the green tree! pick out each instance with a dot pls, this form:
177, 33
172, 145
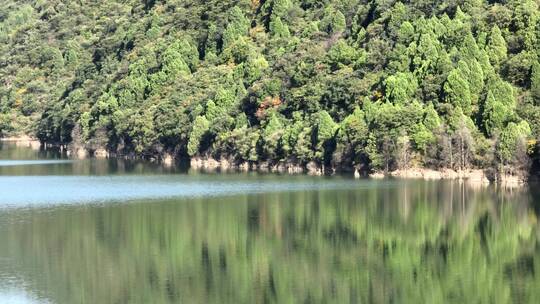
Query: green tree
502, 91
280, 8
510, 140
495, 114
431, 119
279, 29
341, 54
174, 62
472, 72
535, 82
326, 131
400, 88
238, 26
457, 91
272, 134
497, 47
422, 137
353, 132
200, 127
333, 21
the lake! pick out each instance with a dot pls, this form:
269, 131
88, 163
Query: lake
117, 231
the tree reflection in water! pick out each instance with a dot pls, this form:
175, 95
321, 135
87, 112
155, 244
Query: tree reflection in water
415, 242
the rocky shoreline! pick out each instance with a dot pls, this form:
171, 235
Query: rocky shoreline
478, 177
210, 164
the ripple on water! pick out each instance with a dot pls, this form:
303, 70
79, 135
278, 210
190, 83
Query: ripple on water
25, 191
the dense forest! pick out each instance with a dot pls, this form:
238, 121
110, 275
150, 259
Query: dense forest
376, 84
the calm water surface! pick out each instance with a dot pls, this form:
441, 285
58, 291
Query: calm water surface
107, 231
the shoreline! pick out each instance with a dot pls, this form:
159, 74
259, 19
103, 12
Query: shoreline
22, 141
21, 138
476, 177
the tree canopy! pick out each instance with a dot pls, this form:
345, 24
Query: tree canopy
336, 82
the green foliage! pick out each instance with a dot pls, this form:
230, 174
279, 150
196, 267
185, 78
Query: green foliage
458, 92
238, 26
297, 139
535, 82
354, 130
497, 46
422, 137
280, 7
400, 88
136, 76
472, 71
341, 54
5, 124
333, 21
200, 128
279, 29
510, 140
495, 114
325, 135
272, 133
503, 91
431, 120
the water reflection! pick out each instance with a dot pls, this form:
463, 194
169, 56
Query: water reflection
15, 296
9, 163
56, 190
24, 161
409, 242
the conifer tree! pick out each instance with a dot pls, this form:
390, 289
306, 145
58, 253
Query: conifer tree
200, 127
457, 91
497, 47
535, 82
494, 115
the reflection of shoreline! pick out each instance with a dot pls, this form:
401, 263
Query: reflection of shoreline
190, 251
477, 178
12, 163
23, 141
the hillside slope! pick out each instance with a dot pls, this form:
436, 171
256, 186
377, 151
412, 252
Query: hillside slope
380, 84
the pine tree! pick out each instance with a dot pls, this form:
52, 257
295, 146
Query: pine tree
494, 115
238, 26
535, 82
472, 72
457, 91
502, 91
326, 130
431, 119
272, 134
200, 127
279, 29
334, 21
497, 47
422, 137
400, 88
511, 137
354, 130
280, 8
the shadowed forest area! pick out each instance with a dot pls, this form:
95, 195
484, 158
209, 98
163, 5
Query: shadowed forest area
375, 84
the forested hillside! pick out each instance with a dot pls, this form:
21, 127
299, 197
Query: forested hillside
378, 84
